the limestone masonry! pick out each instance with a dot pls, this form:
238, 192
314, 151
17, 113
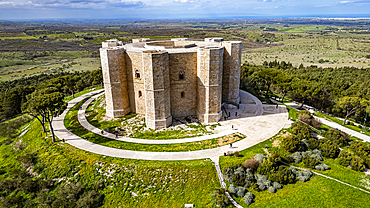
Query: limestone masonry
174, 78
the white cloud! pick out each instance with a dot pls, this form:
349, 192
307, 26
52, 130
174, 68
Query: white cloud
93, 4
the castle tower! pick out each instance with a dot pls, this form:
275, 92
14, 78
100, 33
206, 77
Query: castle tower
115, 78
157, 89
209, 84
231, 73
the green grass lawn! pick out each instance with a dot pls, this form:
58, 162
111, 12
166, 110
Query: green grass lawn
69, 98
158, 184
292, 113
71, 122
317, 192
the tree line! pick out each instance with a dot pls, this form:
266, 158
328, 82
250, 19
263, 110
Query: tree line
43, 96
344, 91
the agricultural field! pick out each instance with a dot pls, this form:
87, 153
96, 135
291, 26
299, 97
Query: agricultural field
322, 52
323, 45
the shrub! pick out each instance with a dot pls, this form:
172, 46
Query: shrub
283, 175
236, 153
317, 157
262, 187
27, 160
252, 164
267, 166
240, 192
314, 143
302, 176
328, 149
232, 189
344, 158
291, 143
91, 199
248, 198
357, 163
247, 184
297, 156
254, 187
305, 118
308, 153
29, 185
301, 130
238, 180
337, 137
316, 151
228, 174
259, 158
289, 159
239, 171
277, 185
272, 189
322, 167
220, 197
13, 200
310, 162
316, 123
304, 112
304, 146
307, 173
249, 175
360, 149
18, 173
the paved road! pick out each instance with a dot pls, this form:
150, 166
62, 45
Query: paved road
344, 129
337, 126
257, 129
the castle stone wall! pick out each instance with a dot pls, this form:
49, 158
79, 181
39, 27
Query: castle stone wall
134, 61
157, 89
171, 79
231, 71
115, 81
183, 91
209, 86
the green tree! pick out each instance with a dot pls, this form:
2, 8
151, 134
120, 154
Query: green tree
44, 105
351, 105
70, 82
269, 76
284, 83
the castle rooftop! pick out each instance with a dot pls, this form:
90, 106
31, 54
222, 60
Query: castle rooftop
175, 45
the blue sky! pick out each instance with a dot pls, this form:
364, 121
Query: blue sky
159, 9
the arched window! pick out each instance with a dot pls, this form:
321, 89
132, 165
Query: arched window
140, 94
137, 74
182, 94
181, 75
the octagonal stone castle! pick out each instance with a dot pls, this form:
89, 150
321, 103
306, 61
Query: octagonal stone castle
172, 78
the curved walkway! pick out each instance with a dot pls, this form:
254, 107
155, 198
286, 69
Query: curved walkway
83, 121
257, 129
